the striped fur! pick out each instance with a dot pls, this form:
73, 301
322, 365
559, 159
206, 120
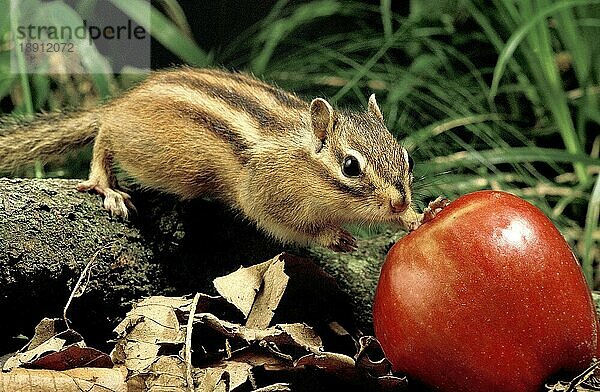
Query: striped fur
264, 151
26, 139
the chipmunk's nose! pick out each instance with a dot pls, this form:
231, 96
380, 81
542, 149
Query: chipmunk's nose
398, 206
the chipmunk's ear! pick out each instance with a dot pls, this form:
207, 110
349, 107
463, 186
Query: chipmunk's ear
374, 108
321, 116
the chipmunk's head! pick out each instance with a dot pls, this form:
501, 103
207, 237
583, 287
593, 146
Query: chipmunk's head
370, 171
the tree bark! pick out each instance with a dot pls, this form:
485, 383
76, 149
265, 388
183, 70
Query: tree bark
49, 232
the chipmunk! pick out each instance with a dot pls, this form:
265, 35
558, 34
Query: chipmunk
298, 170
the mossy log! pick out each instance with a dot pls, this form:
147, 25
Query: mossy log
49, 232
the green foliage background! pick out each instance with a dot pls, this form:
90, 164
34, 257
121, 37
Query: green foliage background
486, 94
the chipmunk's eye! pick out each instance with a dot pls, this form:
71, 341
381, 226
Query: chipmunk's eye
351, 166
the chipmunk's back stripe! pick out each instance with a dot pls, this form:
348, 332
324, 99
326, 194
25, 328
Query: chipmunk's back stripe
283, 97
235, 99
218, 126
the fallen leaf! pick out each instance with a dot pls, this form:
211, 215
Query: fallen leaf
371, 360
72, 357
212, 380
157, 338
240, 287
19, 359
154, 320
46, 329
587, 381
233, 373
167, 372
268, 297
295, 335
45, 341
327, 360
256, 291
279, 387
151, 326
258, 357
299, 335
74, 380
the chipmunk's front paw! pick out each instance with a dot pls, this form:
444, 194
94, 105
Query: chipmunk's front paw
116, 202
415, 220
338, 240
434, 208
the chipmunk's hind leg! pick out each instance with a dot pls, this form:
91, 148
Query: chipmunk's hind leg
102, 180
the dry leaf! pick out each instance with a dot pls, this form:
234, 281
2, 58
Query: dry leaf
258, 357
45, 341
256, 291
212, 380
154, 320
240, 287
587, 381
74, 380
268, 297
371, 360
233, 374
279, 387
167, 373
155, 343
327, 361
19, 359
46, 329
72, 357
299, 334
208, 304
150, 326
296, 335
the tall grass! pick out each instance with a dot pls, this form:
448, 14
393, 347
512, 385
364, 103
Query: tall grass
172, 33
539, 34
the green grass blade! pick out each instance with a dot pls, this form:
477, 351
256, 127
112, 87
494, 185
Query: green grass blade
575, 45
271, 36
386, 18
165, 31
367, 66
420, 136
7, 78
497, 156
517, 37
591, 225
539, 56
19, 57
174, 11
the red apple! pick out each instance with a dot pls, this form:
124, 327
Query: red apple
487, 296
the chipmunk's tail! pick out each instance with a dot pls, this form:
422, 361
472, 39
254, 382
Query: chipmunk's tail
24, 140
